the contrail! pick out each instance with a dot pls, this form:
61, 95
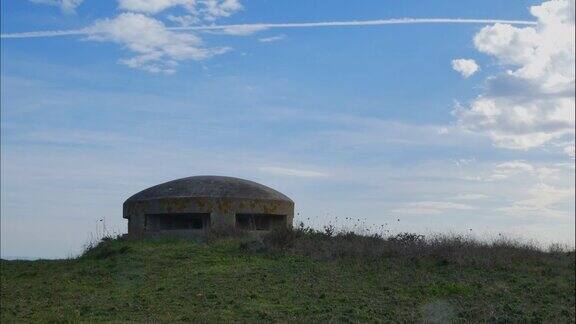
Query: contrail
87, 31
46, 33
362, 23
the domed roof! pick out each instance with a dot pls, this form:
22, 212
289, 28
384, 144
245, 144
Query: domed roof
209, 186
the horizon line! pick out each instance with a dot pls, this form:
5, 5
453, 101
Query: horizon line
261, 26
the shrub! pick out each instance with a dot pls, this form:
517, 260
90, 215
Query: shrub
281, 238
107, 247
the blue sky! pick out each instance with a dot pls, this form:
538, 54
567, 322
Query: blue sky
447, 127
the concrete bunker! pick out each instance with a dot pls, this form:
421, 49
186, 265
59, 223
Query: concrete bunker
194, 204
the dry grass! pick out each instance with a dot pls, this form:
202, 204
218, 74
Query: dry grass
441, 249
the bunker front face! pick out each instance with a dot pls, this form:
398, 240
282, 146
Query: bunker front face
191, 205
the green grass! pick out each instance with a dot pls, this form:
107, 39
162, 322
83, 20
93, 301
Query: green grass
172, 280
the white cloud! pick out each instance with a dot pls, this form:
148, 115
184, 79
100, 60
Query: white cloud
464, 162
208, 10
466, 67
292, 172
532, 102
157, 49
271, 39
67, 6
430, 207
570, 150
518, 170
509, 169
215, 9
184, 21
154, 6
526, 190
541, 202
443, 130
470, 196
512, 167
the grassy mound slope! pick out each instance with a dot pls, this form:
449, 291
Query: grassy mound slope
300, 275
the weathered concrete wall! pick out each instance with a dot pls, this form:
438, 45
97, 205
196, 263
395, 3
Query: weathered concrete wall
223, 210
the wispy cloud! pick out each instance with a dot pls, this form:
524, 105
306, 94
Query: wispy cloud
430, 207
271, 39
67, 6
208, 10
239, 30
470, 196
262, 26
292, 172
74, 137
517, 168
542, 201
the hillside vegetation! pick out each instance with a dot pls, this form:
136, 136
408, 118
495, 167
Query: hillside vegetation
299, 275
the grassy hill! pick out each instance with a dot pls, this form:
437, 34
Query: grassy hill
301, 275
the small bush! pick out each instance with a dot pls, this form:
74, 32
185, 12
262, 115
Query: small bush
107, 247
280, 238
